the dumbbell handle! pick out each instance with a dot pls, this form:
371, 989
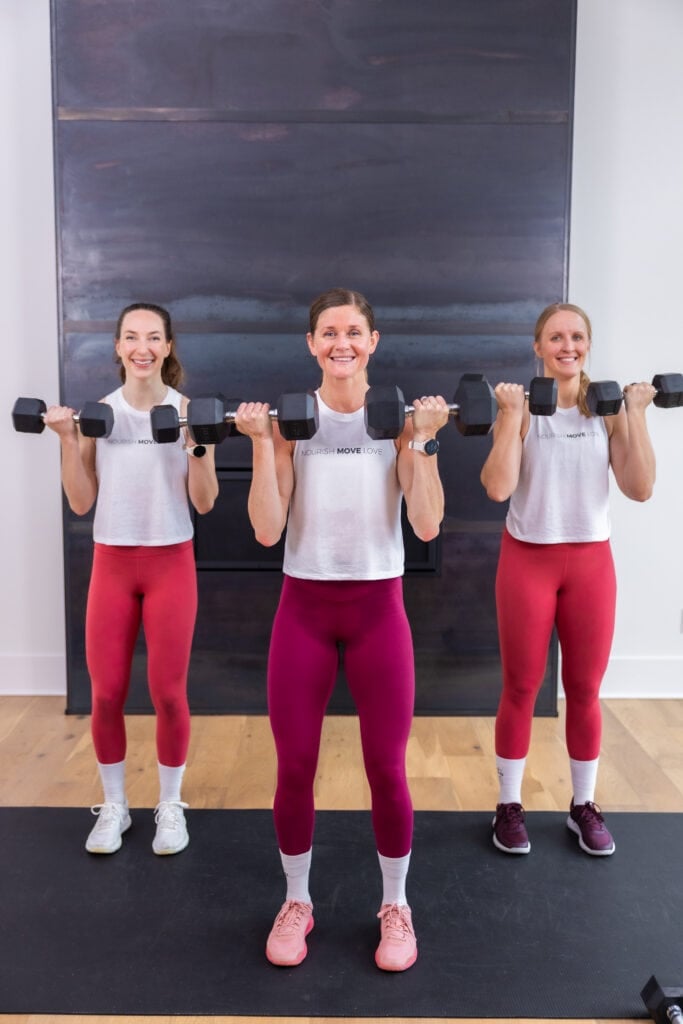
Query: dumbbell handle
229, 417
453, 408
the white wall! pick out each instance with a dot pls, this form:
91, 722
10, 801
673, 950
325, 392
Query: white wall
625, 269
32, 644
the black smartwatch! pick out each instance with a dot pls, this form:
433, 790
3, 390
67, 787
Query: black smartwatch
197, 450
429, 447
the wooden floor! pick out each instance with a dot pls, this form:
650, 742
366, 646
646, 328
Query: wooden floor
46, 759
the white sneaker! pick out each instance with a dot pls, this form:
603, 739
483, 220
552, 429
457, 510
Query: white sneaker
112, 822
171, 835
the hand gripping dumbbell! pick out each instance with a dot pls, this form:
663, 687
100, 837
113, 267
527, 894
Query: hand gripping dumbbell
605, 397
96, 419
474, 406
209, 421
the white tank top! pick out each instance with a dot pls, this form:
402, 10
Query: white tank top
563, 490
142, 486
345, 512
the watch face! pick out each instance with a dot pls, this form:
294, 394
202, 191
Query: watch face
431, 446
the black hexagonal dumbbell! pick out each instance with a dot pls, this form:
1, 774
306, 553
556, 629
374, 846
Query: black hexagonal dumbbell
663, 1004
669, 390
605, 397
474, 406
96, 419
210, 421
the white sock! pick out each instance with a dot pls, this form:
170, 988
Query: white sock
584, 777
113, 778
170, 781
510, 775
394, 874
297, 868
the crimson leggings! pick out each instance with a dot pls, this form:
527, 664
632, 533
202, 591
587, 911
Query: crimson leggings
368, 617
158, 587
570, 586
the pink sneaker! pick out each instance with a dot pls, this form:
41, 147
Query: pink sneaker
286, 945
397, 950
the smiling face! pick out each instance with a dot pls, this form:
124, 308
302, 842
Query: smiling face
562, 343
342, 342
142, 345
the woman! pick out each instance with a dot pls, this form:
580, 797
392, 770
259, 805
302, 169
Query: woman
556, 567
143, 567
340, 495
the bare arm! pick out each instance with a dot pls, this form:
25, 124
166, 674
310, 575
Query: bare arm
202, 482
78, 459
272, 479
500, 472
631, 454
418, 473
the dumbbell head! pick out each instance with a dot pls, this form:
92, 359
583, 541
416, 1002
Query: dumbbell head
297, 415
669, 390
543, 396
27, 415
385, 412
96, 419
477, 406
165, 424
604, 397
206, 419
659, 1000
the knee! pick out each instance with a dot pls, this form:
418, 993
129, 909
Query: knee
387, 778
106, 706
296, 773
171, 707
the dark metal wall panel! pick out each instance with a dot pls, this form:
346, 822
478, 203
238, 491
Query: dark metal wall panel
468, 59
231, 160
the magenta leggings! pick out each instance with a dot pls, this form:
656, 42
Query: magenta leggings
158, 587
368, 617
570, 586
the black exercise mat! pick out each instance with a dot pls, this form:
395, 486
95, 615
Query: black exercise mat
552, 934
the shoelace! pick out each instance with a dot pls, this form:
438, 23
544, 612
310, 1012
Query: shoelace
395, 922
590, 812
107, 815
513, 814
167, 813
290, 915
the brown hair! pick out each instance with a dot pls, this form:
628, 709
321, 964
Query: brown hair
340, 297
171, 372
569, 307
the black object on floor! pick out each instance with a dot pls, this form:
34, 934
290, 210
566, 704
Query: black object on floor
553, 934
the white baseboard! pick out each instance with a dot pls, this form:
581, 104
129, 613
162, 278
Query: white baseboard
648, 676
37, 675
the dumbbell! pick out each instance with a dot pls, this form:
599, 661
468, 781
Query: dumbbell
209, 420
663, 1004
605, 397
474, 406
96, 419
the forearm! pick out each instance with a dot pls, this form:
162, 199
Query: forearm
639, 468
202, 483
500, 473
79, 483
424, 497
266, 507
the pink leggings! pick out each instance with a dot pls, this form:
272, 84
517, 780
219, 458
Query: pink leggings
368, 617
158, 587
570, 586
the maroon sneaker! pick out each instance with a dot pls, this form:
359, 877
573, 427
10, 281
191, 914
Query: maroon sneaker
509, 830
589, 825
